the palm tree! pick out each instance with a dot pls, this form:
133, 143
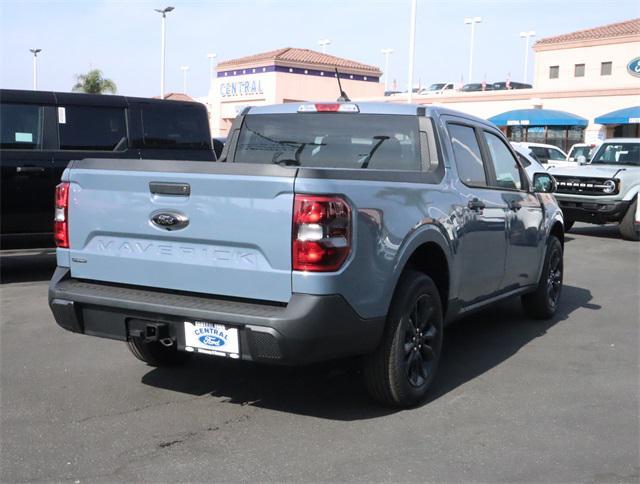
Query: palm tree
93, 83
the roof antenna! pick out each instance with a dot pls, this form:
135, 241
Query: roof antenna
344, 98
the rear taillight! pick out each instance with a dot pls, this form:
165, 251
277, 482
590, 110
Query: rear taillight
61, 223
321, 233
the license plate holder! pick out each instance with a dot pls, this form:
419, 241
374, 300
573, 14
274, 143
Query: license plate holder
211, 339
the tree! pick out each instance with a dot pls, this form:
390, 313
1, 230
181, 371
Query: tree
93, 83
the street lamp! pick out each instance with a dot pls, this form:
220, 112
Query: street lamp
35, 67
164, 12
211, 56
386, 53
412, 47
471, 21
184, 70
526, 36
323, 44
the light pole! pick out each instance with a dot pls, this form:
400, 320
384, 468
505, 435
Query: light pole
323, 45
35, 67
526, 36
386, 53
184, 70
471, 21
164, 12
211, 56
412, 47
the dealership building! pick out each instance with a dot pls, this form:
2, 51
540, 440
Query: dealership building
282, 76
586, 87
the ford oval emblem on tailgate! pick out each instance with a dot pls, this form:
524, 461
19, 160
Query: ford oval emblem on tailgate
169, 220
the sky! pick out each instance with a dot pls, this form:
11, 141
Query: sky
122, 38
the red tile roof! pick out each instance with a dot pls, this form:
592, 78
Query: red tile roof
619, 29
176, 96
298, 56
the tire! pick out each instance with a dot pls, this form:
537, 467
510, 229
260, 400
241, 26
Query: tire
568, 225
629, 229
156, 354
543, 302
401, 370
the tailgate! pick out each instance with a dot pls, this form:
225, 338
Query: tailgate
203, 227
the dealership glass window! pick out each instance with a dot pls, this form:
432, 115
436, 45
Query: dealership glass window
504, 164
575, 134
516, 133
466, 151
175, 127
554, 72
21, 126
535, 134
555, 137
91, 128
605, 68
579, 70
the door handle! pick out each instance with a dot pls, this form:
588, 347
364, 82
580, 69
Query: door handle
476, 204
29, 169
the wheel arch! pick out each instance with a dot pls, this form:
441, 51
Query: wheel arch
429, 252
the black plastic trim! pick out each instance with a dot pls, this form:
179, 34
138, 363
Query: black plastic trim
309, 328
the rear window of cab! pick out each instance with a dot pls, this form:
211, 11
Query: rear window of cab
331, 140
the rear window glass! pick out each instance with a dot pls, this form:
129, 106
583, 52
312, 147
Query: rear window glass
175, 127
91, 128
21, 126
331, 140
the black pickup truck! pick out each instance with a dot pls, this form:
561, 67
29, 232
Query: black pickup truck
40, 132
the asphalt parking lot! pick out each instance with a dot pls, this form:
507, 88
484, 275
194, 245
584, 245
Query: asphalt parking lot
516, 400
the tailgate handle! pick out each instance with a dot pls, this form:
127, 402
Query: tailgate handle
175, 189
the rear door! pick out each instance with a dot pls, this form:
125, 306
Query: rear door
27, 181
233, 237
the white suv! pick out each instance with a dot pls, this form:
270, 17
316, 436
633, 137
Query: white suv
549, 155
604, 190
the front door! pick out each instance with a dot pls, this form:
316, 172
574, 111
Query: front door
482, 245
523, 211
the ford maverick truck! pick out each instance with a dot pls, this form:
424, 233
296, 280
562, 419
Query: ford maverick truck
327, 230
606, 189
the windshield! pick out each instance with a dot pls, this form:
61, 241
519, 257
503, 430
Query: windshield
618, 153
331, 140
580, 151
435, 87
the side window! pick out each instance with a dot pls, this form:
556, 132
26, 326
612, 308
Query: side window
21, 126
541, 153
504, 163
91, 128
555, 154
175, 127
467, 154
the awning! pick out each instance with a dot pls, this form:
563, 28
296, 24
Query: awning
537, 117
621, 116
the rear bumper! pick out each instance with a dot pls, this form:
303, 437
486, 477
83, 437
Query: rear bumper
593, 211
309, 328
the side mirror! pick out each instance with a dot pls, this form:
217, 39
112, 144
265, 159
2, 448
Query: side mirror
544, 183
582, 160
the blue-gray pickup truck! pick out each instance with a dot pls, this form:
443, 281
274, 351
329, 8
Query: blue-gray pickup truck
327, 230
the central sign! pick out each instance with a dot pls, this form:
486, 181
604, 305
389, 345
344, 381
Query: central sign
633, 67
241, 88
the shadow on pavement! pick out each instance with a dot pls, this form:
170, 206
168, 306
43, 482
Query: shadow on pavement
610, 231
335, 391
27, 266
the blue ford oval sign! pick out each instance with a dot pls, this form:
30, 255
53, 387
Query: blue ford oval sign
633, 67
210, 340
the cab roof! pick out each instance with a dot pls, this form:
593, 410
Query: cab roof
369, 107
